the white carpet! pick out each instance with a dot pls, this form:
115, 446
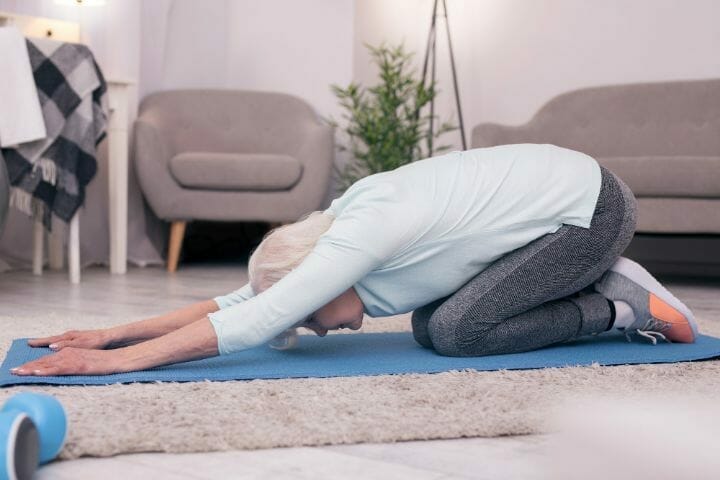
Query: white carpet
211, 416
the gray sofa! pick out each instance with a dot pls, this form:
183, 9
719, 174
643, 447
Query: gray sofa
229, 155
662, 139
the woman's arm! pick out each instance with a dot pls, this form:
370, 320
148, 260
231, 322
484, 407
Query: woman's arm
158, 326
129, 333
142, 330
191, 342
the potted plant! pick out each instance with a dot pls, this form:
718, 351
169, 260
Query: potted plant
384, 124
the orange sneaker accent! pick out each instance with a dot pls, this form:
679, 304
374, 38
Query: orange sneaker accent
680, 330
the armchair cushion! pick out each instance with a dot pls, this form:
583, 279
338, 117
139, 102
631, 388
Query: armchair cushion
235, 171
668, 176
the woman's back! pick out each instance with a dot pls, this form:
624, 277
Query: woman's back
459, 212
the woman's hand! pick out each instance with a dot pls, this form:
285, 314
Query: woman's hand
130, 333
192, 342
88, 339
74, 361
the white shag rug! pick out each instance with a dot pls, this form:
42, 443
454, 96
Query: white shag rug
212, 416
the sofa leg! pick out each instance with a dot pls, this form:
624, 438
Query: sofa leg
177, 233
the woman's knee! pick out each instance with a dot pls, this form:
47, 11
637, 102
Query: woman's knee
453, 336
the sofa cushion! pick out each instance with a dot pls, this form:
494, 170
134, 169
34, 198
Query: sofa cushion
668, 176
678, 215
235, 171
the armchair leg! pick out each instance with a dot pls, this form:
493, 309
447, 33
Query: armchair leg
177, 233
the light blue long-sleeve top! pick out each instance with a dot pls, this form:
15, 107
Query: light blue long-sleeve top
418, 233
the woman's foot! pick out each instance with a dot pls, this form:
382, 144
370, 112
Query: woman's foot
655, 311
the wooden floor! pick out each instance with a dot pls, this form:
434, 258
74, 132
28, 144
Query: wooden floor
144, 292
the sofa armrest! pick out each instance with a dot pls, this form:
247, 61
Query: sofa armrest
151, 156
316, 154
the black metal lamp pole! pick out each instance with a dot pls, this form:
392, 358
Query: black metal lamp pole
430, 50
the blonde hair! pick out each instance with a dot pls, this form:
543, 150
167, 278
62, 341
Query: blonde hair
284, 248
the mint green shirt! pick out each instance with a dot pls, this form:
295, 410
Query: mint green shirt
418, 233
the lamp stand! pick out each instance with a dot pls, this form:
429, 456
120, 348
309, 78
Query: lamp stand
430, 51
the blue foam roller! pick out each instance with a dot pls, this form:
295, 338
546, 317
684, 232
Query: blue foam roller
48, 415
19, 446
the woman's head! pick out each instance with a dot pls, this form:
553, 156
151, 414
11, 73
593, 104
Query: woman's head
282, 250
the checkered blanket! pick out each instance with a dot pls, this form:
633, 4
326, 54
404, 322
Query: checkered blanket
50, 175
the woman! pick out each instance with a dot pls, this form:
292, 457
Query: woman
498, 250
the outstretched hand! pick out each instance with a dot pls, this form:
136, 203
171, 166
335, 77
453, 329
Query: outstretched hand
191, 342
88, 339
74, 361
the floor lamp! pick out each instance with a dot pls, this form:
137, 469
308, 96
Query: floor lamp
430, 51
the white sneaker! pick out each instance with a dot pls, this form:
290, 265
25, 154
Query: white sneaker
657, 312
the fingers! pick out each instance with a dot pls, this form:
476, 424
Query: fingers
70, 361
46, 341
30, 367
43, 371
59, 345
54, 364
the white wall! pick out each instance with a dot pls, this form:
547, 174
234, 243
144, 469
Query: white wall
514, 55
297, 47
112, 31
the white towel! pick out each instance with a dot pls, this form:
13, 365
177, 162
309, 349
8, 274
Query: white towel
21, 118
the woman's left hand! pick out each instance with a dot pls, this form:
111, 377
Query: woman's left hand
74, 361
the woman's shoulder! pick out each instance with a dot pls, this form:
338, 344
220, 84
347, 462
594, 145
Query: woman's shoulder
374, 190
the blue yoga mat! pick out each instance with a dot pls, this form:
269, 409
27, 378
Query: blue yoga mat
372, 354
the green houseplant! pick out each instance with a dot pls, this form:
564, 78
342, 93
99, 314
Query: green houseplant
384, 124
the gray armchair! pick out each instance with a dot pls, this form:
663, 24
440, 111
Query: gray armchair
228, 155
662, 139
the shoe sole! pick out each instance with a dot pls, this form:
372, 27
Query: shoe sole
663, 304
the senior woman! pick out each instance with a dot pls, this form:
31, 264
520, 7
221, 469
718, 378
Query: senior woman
497, 250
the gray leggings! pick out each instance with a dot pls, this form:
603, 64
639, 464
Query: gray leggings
539, 294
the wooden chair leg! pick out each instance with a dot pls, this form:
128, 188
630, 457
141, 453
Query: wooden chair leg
56, 246
38, 237
177, 233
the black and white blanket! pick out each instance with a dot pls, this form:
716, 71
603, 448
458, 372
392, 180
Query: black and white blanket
50, 175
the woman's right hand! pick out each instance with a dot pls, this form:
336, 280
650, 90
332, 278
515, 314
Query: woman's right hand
89, 339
